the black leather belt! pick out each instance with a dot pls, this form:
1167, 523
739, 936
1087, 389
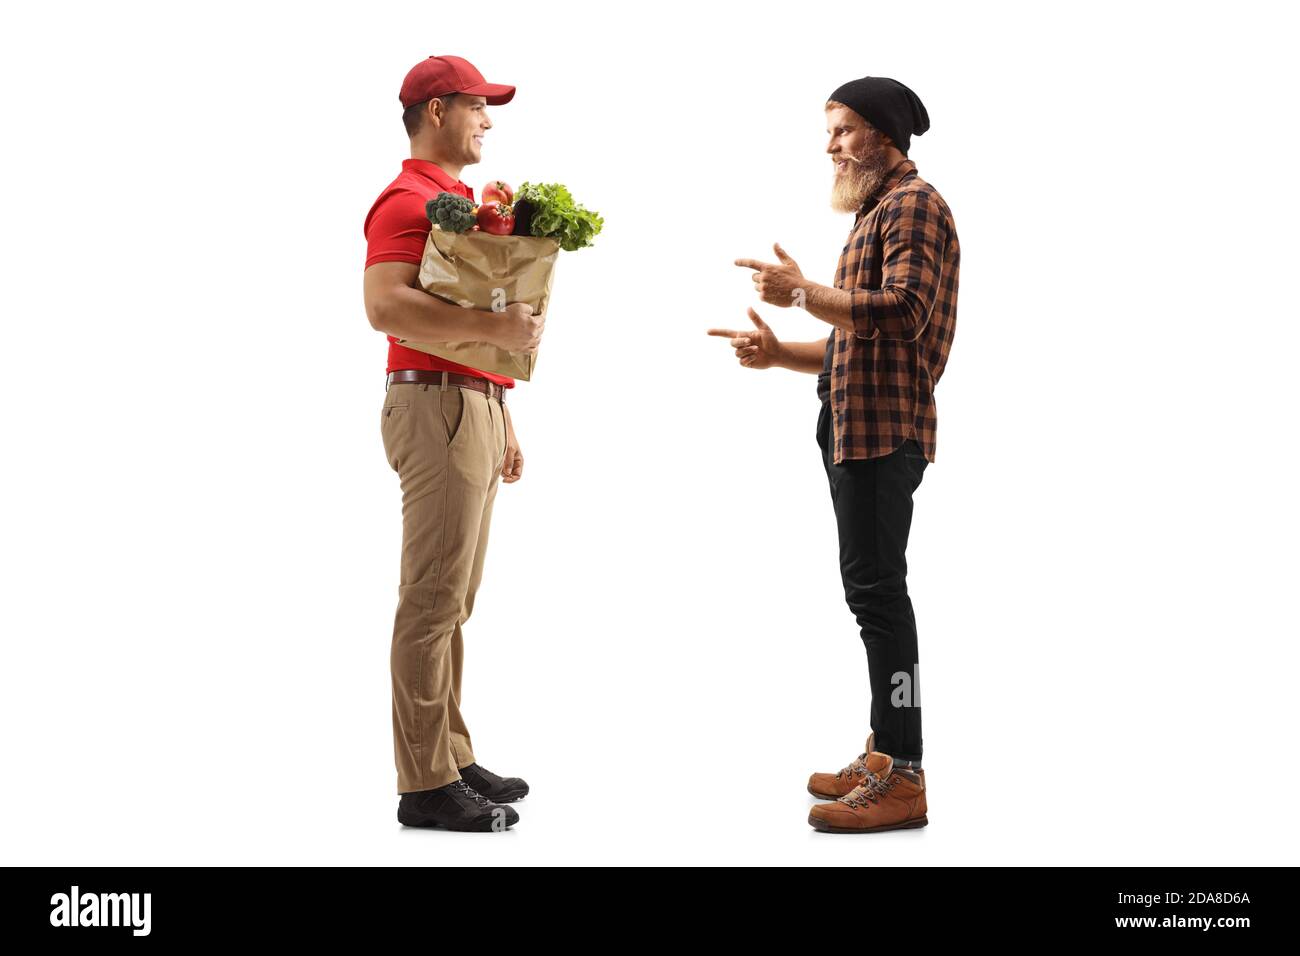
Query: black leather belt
443, 379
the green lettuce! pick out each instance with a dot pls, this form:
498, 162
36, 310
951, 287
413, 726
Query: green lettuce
555, 215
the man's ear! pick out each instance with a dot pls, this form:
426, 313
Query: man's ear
434, 112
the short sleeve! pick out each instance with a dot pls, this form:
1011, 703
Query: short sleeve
397, 229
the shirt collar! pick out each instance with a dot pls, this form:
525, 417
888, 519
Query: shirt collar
432, 171
904, 168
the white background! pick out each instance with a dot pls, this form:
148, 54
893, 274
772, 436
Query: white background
201, 533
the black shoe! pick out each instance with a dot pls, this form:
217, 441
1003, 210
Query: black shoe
500, 789
456, 807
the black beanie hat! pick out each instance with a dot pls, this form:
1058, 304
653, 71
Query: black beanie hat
887, 105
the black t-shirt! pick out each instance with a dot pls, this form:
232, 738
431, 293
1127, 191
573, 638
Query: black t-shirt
824, 376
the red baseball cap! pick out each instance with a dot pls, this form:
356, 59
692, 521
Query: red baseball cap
439, 75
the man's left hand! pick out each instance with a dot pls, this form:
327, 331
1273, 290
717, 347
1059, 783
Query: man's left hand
513, 467
780, 283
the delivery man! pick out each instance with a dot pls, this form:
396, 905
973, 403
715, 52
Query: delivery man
893, 312
447, 434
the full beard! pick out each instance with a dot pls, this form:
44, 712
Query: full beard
857, 183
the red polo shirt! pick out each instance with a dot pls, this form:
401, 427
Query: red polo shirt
396, 230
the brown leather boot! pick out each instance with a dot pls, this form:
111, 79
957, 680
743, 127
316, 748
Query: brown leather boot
887, 799
832, 786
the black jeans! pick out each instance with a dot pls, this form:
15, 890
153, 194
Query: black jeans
873, 509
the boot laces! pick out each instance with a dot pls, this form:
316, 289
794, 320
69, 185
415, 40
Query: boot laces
870, 790
855, 769
463, 787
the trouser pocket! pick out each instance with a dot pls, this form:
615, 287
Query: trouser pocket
451, 405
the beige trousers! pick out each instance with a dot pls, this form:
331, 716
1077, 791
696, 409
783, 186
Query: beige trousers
447, 447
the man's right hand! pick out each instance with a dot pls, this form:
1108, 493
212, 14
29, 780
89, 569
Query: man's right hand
758, 348
518, 329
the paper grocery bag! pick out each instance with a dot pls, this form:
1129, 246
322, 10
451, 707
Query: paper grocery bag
477, 270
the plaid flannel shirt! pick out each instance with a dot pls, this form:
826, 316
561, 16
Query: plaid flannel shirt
900, 266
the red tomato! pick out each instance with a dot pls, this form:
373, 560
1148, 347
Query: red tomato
498, 191
495, 218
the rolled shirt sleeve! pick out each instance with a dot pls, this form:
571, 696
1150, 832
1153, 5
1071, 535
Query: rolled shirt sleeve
913, 234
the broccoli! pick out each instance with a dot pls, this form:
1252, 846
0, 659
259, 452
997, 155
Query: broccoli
450, 213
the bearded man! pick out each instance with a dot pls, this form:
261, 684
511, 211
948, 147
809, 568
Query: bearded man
893, 312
